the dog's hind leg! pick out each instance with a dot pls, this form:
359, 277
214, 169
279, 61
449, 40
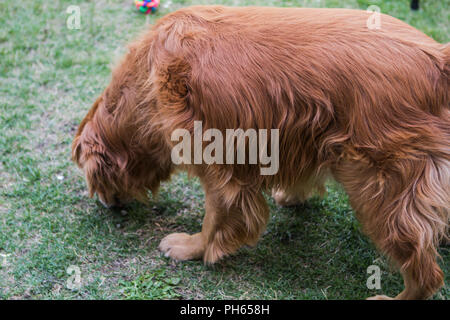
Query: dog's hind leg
234, 217
404, 210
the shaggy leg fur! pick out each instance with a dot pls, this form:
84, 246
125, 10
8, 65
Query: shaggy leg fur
234, 217
404, 212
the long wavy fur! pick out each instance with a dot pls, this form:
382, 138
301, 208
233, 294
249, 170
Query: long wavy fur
368, 107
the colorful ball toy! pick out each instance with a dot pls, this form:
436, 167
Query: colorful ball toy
147, 6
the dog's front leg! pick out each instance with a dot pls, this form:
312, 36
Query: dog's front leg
233, 218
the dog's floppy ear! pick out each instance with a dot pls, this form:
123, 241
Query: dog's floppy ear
76, 145
76, 150
90, 153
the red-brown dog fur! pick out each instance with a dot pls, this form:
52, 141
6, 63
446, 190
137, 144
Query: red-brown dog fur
369, 107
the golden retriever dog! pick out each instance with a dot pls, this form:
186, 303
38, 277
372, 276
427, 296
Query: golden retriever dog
369, 107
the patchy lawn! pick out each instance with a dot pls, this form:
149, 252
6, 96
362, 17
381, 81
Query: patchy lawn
49, 76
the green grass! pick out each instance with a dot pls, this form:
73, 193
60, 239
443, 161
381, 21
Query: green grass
49, 76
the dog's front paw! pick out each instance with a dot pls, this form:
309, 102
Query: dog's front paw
182, 246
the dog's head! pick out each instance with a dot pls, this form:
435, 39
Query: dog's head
120, 144
117, 167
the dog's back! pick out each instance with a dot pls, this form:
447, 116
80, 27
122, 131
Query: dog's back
322, 71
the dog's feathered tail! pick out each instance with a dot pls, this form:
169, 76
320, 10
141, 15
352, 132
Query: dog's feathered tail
428, 209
